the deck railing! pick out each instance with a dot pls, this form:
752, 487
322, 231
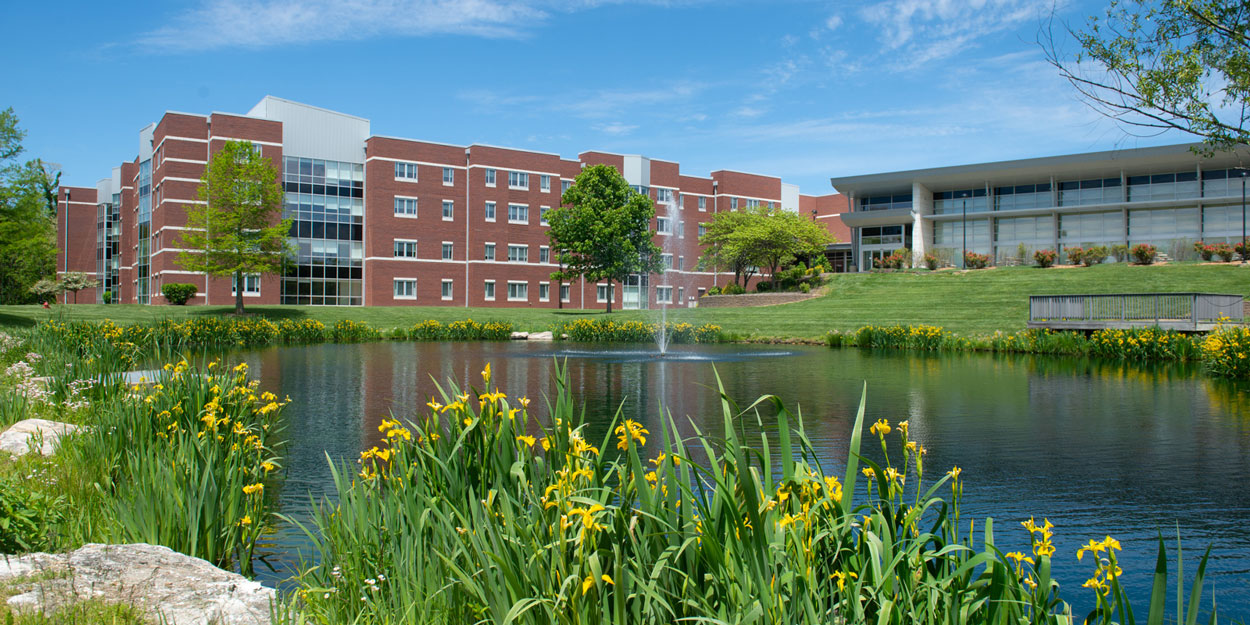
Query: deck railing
1145, 307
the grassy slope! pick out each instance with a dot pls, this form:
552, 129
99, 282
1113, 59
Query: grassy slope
964, 302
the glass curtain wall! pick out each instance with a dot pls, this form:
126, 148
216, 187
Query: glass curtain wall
948, 239
325, 201
1034, 233
108, 245
143, 256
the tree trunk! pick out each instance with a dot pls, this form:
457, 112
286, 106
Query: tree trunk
610, 292
559, 299
238, 292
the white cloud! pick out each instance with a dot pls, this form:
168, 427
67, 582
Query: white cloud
833, 22
915, 32
266, 23
616, 128
589, 104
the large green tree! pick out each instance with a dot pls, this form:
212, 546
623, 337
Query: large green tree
603, 230
238, 229
27, 216
760, 237
1164, 64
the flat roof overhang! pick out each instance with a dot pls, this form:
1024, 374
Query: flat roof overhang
890, 217
1032, 170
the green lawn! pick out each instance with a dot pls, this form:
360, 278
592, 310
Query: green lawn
964, 302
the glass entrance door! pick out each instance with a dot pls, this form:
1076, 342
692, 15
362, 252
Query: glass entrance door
634, 293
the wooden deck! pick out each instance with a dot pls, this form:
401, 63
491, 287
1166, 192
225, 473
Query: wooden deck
1183, 312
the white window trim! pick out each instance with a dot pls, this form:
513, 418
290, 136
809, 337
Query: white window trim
544, 183
599, 299
527, 214
403, 178
542, 215
564, 298
412, 297
491, 215
453, 176
519, 283
494, 252
443, 292
442, 255
519, 246
491, 297
490, 181
540, 292
414, 247
541, 249
453, 210
661, 288
246, 293
661, 232
525, 187
407, 197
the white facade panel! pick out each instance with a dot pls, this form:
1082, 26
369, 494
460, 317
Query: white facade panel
790, 197
313, 132
637, 170
145, 142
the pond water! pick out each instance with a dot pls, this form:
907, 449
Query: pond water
1097, 448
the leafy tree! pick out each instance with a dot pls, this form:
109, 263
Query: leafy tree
603, 230
45, 289
1165, 64
237, 230
723, 248
27, 217
75, 281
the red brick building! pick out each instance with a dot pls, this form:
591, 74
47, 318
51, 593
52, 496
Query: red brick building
385, 221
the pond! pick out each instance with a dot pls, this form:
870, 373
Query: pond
1097, 448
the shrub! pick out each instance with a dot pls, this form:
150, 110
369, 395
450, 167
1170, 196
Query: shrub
1204, 250
1094, 255
177, 293
1075, 255
1022, 253
609, 331
931, 262
1144, 253
1226, 352
27, 516
107, 297
1120, 252
1240, 248
733, 289
904, 257
1225, 252
805, 288
973, 260
714, 291
1045, 258
763, 287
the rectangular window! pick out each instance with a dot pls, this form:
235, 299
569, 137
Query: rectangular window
489, 293
542, 215
664, 195
681, 263
518, 214
664, 294
518, 291
449, 176
251, 284
564, 293
564, 186
405, 288
681, 295
490, 252
602, 292
406, 171
544, 291
447, 289
753, 204
518, 180
681, 229
490, 211
405, 248
667, 261
544, 254
544, 183
518, 253
703, 204
449, 210
490, 177
733, 203
663, 225
447, 250
406, 206
702, 230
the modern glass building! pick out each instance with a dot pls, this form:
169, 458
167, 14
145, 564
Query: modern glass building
1169, 196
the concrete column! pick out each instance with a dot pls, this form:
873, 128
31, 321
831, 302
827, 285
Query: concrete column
921, 229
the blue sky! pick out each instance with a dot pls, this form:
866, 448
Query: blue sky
800, 89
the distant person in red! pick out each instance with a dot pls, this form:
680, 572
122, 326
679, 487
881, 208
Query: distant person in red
45, 304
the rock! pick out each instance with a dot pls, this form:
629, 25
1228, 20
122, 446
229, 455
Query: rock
541, 336
166, 585
34, 436
520, 336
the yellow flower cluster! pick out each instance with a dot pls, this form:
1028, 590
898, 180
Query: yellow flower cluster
1107, 570
1040, 536
630, 431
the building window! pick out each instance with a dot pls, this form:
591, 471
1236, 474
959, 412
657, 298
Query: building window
703, 204
518, 214
251, 284
449, 176
405, 248
663, 225
664, 295
406, 171
602, 291
542, 215
405, 288
518, 291
406, 206
753, 204
681, 295
490, 252
564, 293
544, 291
544, 254
702, 291
518, 180
664, 195
564, 186
490, 177
447, 250
490, 211
702, 230
667, 261
449, 210
447, 289
733, 203
489, 293
681, 263
544, 183
518, 253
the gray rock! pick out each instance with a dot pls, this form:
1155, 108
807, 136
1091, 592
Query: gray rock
520, 336
540, 336
34, 436
163, 583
